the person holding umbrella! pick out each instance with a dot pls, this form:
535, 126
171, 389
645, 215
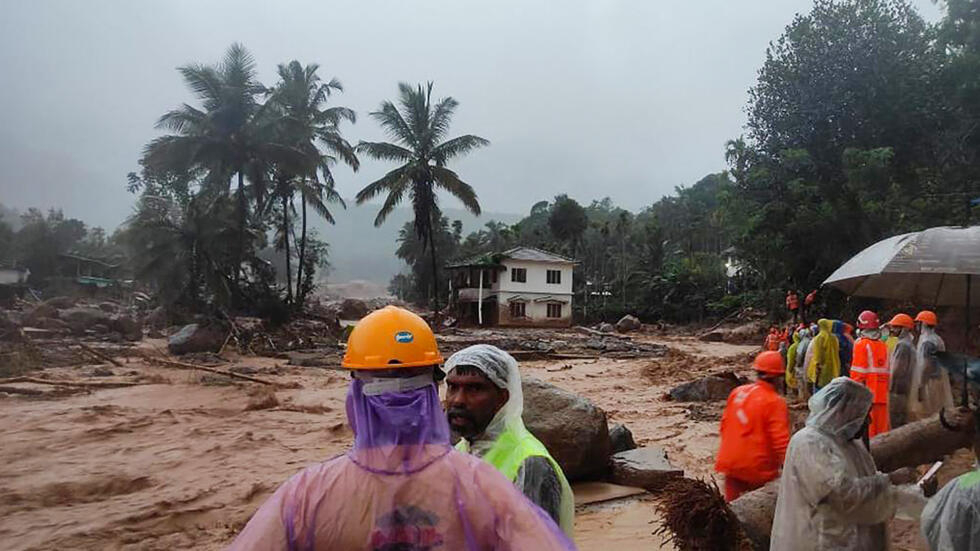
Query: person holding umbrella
930, 390
901, 362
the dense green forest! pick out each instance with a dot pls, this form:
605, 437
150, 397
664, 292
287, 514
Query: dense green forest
864, 122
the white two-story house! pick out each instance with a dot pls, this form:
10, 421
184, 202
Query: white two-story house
523, 286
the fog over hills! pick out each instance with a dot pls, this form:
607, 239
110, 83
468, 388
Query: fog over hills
358, 250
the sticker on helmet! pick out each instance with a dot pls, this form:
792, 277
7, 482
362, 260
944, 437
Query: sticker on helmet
404, 336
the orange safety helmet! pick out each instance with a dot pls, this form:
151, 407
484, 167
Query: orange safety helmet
902, 320
868, 320
927, 317
770, 362
391, 338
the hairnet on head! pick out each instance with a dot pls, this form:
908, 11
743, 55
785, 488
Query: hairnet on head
492, 361
502, 370
840, 408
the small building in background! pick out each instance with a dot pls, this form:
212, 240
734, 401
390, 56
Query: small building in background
13, 276
522, 286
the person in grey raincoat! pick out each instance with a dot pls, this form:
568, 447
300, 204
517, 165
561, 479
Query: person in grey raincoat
930, 390
799, 364
901, 361
951, 520
830, 494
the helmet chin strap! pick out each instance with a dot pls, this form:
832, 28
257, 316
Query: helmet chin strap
374, 386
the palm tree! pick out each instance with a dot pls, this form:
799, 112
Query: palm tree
226, 136
301, 97
418, 130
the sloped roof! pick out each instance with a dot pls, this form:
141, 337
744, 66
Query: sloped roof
533, 254
487, 260
493, 260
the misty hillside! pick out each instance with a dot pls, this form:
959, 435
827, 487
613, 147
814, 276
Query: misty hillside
358, 250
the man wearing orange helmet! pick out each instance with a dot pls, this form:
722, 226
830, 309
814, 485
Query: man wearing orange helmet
930, 390
402, 485
901, 362
754, 430
869, 366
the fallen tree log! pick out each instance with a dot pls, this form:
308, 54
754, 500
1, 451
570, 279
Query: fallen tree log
56, 382
99, 355
24, 391
908, 446
182, 365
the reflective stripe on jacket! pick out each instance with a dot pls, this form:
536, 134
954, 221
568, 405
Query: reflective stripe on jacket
754, 434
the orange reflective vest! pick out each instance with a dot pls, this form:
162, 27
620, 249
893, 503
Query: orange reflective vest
754, 434
792, 301
772, 341
869, 366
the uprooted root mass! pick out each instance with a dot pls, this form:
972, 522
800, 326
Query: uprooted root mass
696, 517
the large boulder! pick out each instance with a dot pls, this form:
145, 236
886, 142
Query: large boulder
156, 319
646, 468
81, 318
197, 338
9, 329
127, 326
621, 439
353, 309
60, 302
40, 312
109, 306
605, 327
572, 428
752, 332
628, 323
712, 336
707, 389
51, 324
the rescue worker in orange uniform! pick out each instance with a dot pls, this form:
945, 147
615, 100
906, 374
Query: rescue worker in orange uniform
754, 430
772, 339
793, 305
869, 366
808, 301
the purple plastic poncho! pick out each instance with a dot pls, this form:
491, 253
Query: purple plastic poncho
401, 487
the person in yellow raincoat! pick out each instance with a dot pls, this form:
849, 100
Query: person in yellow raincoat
791, 382
823, 356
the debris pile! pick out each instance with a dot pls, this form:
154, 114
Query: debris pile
578, 343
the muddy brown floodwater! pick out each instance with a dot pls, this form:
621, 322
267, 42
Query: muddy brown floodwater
183, 463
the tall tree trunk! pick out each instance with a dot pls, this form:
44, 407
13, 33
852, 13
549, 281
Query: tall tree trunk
302, 254
435, 274
285, 236
240, 253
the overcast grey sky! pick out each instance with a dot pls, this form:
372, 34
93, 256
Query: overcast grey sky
590, 97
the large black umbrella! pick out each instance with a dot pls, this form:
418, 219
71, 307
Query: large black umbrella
937, 266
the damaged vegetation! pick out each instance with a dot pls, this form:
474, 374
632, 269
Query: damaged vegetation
695, 517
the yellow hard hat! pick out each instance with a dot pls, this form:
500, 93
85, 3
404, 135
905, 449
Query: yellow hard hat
390, 338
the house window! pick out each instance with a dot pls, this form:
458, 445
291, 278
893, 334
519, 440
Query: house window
518, 275
517, 310
554, 276
554, 310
